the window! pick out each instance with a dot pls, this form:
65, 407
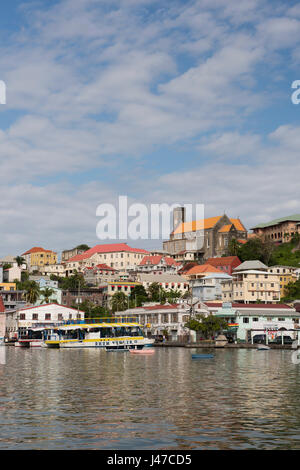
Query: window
22, 316
47, 316
245, 320
35, 316
255, 319
281, 319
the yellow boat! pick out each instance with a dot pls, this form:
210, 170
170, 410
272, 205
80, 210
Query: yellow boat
109, 334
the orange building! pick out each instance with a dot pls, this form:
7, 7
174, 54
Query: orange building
202, 239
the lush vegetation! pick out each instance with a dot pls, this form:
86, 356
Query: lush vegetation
208, 326
287, 254
92, 310
139, 295
291, 292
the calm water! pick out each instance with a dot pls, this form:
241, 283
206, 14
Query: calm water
92, 399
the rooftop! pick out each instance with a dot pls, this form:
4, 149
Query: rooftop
208, 223
289, 218
107, 248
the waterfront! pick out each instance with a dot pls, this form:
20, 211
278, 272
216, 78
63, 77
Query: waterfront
91, 399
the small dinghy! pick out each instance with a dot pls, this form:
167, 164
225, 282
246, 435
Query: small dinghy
263, 347
202, 356
146, 351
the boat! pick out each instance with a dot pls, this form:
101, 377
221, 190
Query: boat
202, 356
110, 334
31, 338
145, 351
263, 347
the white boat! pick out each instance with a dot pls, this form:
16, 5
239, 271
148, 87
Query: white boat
110, 335
263, 347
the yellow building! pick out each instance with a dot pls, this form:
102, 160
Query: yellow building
286, 274
7, 286
251, 286
38, 257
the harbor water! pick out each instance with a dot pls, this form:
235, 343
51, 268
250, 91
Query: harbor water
93, 399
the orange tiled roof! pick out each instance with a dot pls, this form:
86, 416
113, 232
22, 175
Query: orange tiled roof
238, 225
203, 268
225, 228
206, 224
197, 225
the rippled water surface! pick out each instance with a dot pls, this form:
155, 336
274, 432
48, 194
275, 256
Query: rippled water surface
93, 399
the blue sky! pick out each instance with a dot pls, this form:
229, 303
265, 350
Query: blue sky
174, 102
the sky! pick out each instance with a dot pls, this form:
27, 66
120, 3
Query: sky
181, 101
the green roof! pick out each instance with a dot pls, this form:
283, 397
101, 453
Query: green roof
294, 218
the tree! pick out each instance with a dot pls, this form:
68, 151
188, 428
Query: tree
173, 295
32, 291
20, 260
46, 294
208, 326
233, 247
72, 282
83, 247
92, 310
119, 302
256, 248
156, 293
138, 296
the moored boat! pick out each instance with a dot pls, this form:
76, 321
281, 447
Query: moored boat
145, 351
111, 334
263, 347
202, 356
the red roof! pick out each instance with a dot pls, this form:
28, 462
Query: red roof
108, 248
224, 261
156, 259
158, 306
105, 267
2, 308
37, 249
47, 305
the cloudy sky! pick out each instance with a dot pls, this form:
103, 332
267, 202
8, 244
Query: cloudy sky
180, 101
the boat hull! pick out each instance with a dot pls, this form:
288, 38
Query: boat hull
202, 356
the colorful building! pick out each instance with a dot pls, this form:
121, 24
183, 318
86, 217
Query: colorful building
37, 257
286, 274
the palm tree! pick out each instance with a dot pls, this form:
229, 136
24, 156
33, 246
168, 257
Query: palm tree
46, 294
32, 292
20, 260
119, 302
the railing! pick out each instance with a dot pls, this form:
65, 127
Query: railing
122, 319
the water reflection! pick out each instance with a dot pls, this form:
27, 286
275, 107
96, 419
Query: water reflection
91, 399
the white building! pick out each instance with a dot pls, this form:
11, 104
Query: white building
168, 318
209, 287
249, 320
166, 281
45, 315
